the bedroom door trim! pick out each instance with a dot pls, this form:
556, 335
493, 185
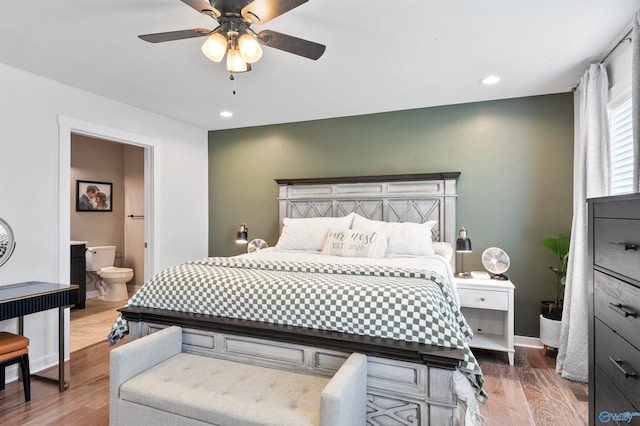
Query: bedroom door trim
69, 125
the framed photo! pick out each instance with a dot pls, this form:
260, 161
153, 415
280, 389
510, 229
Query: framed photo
93, 196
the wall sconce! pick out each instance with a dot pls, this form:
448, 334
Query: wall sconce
463, 245
242, 234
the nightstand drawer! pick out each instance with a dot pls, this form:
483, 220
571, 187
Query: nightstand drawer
484, 299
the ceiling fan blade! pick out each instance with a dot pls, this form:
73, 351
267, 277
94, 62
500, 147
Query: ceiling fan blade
175, 35
261, 11
291, 44
202, 6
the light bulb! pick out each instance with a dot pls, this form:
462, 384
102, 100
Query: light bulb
215, 46
249, 48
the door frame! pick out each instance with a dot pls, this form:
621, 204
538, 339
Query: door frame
151, 146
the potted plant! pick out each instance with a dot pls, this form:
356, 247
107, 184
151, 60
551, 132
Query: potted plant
552, 309
550, 323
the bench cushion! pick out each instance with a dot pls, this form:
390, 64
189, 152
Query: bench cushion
244, 394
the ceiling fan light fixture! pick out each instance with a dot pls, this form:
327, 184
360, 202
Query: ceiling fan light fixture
215, 46
235, 38
249, 48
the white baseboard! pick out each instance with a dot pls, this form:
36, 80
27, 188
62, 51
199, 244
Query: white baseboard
526, 341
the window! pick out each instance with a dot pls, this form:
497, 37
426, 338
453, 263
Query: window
621, 137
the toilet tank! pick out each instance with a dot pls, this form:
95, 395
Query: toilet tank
99, 257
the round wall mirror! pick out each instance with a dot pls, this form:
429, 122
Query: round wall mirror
7, 242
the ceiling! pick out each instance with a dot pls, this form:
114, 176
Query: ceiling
381, 55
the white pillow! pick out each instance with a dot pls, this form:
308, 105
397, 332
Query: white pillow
352, 243
309, 233
443, 249
404, 237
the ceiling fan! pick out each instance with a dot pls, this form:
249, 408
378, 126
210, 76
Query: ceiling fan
234, 36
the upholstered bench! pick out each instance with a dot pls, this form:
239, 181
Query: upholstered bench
153, 382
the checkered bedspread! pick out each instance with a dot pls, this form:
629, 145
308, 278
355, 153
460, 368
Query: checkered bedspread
401, 304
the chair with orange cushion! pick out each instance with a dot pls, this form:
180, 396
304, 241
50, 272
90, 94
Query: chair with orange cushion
15, 349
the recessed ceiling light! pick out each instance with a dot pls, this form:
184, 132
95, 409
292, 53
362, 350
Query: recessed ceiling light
492, 79
226, 114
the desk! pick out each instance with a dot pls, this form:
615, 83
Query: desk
17, 300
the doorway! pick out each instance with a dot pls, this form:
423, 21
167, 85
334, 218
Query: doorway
138, 203
118, 170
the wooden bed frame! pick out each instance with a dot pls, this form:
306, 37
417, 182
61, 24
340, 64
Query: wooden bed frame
408, 383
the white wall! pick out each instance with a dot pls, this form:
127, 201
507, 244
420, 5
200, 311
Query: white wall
134, 205
31, 196
98, 160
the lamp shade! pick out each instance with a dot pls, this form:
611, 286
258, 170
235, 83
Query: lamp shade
235, 62
214, 47
463, 245
249, 48
242, 235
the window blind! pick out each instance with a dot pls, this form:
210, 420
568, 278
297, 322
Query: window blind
621, 148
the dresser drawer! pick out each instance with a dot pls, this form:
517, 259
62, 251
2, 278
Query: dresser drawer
617, 304
627, 207
609, 401
484, 299
618, 360
613, 242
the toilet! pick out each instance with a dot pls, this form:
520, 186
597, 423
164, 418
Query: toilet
110, 281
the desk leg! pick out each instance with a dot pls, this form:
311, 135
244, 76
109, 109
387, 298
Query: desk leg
61, 382
21, 333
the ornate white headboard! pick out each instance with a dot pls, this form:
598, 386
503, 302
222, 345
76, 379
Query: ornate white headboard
391, 198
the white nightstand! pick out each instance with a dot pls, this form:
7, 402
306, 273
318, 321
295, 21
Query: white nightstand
487, 306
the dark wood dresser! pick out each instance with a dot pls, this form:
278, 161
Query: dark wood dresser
614, 311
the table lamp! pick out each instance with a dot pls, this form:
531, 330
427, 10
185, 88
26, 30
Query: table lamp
463, 245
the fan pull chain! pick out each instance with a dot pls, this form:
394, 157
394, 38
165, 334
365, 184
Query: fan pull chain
233, 82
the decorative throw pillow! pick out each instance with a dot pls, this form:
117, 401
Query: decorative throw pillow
309, 233
352, 243
407, 238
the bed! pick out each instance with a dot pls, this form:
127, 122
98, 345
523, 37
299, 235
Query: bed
362, 264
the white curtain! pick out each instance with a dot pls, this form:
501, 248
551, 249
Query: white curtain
590, 179
635, 98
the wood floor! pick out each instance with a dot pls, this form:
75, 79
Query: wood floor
92, 324
529, 393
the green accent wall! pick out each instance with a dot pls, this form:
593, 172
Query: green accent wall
515, 156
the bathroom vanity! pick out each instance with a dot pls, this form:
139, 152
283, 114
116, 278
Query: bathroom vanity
78, 271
